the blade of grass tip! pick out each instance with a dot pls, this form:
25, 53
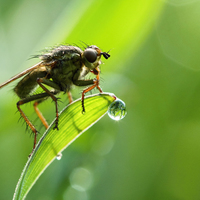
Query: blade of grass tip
72, 123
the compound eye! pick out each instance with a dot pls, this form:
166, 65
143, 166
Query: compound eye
90, 55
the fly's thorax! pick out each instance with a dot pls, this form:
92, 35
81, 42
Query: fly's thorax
62, 53
67, 60
64, 71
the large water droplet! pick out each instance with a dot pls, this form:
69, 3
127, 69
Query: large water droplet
117, 110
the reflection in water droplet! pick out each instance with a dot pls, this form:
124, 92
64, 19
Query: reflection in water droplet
59, 156
117, 110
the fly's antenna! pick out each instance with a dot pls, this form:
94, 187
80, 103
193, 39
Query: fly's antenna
105, 55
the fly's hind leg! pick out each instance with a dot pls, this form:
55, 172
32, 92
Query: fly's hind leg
24, 101
19, 103
40, 115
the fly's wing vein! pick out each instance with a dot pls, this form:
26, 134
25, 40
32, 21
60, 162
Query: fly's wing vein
38, 65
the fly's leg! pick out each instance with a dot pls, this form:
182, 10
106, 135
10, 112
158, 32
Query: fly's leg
40, 115
70, 97
24, 101
95, 83
54, 85
19, 103
38, 112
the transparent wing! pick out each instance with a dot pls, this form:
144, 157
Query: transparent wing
38, 65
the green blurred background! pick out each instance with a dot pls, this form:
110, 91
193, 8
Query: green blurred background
154, 152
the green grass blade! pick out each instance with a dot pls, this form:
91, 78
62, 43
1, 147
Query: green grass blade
72, 123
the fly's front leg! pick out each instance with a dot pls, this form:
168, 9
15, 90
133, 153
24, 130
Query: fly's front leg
54, 85
95, 83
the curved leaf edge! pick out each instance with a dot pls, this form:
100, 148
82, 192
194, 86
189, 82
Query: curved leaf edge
19, 186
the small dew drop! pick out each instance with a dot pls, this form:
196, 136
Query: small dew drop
59, 156
117, 110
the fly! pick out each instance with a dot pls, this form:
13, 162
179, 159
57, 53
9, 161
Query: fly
59, 68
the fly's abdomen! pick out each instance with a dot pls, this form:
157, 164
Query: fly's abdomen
28, 84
